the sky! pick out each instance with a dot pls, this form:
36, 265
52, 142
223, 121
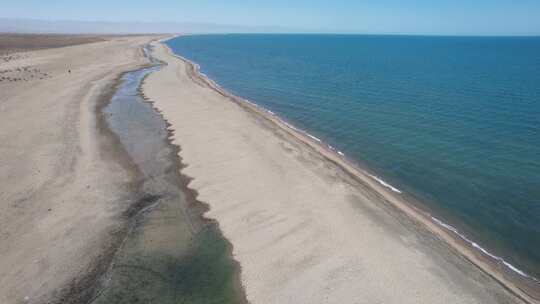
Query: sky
435, 17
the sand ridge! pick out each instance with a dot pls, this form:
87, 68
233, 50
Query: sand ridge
302, 229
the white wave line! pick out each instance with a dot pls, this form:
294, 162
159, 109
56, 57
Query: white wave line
313, 137
387, 185
483, 250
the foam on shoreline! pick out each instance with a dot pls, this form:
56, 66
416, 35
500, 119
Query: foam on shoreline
483, 250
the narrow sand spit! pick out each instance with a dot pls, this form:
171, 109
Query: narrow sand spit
303, 228
63, 185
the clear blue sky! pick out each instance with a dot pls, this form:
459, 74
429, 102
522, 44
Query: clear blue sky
462, 17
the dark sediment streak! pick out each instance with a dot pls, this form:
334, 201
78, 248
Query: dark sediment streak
166, 251
83, 288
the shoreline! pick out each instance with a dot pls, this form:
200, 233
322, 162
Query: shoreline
466, 248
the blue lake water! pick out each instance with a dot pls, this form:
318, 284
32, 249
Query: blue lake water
452, 121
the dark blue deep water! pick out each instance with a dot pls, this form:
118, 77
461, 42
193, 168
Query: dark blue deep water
452, 121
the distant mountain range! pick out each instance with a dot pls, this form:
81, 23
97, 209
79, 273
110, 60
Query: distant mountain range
105, 27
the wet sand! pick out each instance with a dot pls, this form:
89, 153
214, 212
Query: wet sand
171, 254
67, 187
306, 227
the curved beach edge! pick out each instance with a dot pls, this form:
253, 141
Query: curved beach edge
480, 257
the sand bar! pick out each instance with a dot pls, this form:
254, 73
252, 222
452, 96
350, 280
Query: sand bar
305, 226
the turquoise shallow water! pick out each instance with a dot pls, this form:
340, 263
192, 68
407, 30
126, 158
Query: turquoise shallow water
452, 121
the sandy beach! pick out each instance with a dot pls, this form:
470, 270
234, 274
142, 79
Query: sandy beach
102, 194
65, 184
305, 226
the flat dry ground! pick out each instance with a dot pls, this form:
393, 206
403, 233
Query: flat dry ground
63, 183
26, 42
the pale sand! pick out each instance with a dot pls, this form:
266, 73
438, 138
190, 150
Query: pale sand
62, 187
306, 227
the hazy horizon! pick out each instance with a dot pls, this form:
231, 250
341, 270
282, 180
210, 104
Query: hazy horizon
415, 17
41, 26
